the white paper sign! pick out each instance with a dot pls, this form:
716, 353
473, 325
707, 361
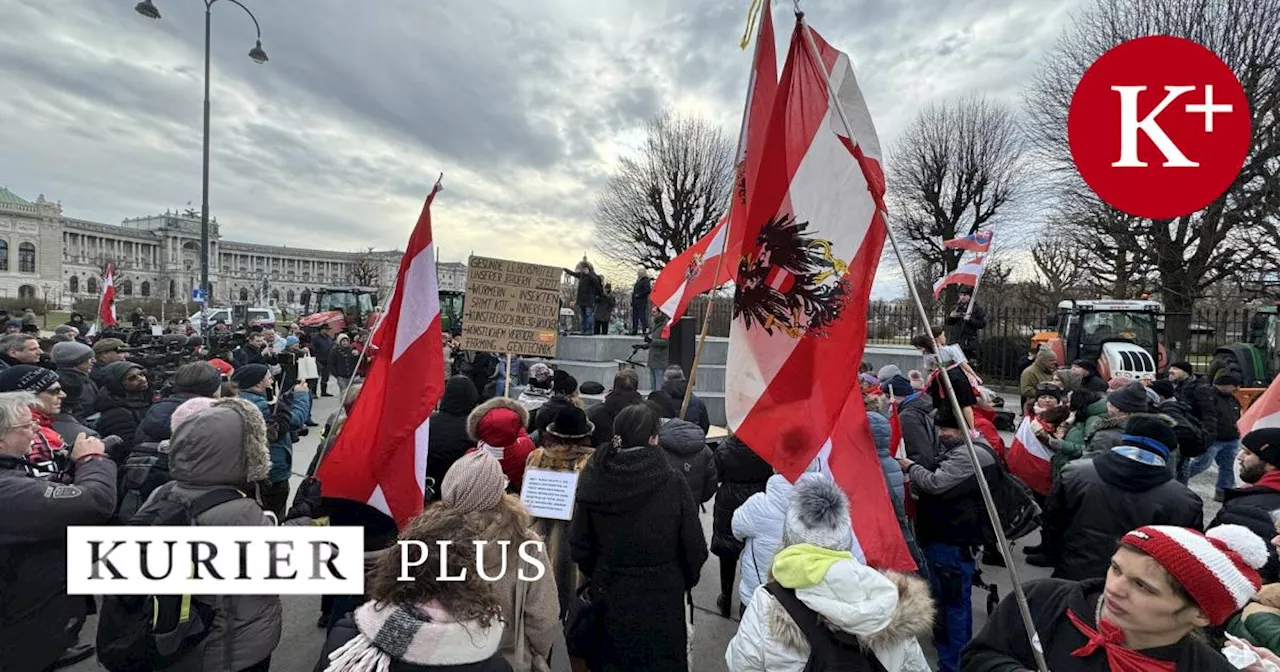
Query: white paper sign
549, 494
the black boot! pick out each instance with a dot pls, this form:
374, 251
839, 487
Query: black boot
1033, 550
73, 655
724, 603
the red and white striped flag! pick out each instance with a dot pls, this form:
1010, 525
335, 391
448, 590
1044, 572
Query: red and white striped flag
1264, 412
380, 456
1029, 459
978, 241
107, 305
812, 239
966, 273
693, 271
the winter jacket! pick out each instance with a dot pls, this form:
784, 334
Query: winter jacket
448, 439
1002, 646
322, 346
282, 448
964, 332
1093, 383
949, 507
886, 612
120, 412
560, 457
513, 451
697, 411
154, 427
81, 391
1193, 440
1258, 624
1251, 506
1040, 371
637, 535
226, 447
602, 414
1107, 432
659, 346
1200, 398
742, 474
1097, 501
589, 287
1228, 408
449, 640
246, 354
640, 293
920, 431
1072, 445
342, 361
880, 434
686, 447
34, 603
605, 304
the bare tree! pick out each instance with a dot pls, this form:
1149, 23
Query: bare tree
1060, 265
957, 169
365, 270
1235, 234
668, 196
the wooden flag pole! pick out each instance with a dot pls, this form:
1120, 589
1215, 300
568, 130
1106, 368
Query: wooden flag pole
706, 325
506, 386
983, 486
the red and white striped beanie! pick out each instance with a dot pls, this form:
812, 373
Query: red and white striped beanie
1219, 568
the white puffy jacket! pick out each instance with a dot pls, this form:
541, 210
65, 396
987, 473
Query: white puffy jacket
758, 522
887, 612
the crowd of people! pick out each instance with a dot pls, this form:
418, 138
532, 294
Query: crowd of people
1139, 579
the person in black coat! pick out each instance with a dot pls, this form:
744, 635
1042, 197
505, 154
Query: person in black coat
449, 440
196, 379
605, 304
624, 393
1096, 501
1195, 394
742, 474
963, 329
636, 536
1089, 378
640, 303
1251, 506
322, 346
122, 402
674, 384
589, 289
564, 393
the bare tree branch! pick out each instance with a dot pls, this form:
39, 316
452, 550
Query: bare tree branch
668, 196
365, 271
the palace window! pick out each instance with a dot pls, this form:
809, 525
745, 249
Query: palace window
146, 288
4, 255
91, 285
27, 292
244, 294
126, 288
26, 258
73, 285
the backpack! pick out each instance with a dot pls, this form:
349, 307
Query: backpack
138, 633
1015, 502
146, 469
828, 649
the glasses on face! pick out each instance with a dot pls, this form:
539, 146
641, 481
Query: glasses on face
53, 391
30, 425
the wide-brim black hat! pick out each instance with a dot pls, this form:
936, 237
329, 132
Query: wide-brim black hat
571, 423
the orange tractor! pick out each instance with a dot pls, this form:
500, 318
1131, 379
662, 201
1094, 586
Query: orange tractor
1121, 336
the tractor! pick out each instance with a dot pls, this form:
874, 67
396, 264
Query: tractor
1258, 360
1121, 336
344, 309
451, 304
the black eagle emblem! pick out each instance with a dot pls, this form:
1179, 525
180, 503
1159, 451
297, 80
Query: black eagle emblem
792, 282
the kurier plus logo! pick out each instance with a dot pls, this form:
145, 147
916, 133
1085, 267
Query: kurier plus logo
1159, 127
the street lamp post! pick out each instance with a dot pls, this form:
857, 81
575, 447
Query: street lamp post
148, 9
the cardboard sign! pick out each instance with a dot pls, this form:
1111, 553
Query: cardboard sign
511, 307
549, 494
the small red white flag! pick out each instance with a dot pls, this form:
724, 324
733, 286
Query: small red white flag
694, 271
966, 273
978, 241
107, 305
1264, 412
1029, 459
380, 456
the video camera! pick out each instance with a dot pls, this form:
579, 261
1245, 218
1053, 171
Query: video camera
162, 355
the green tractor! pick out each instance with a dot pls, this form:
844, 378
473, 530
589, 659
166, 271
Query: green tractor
1257, 361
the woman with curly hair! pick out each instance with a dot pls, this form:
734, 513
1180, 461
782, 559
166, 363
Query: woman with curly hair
423, 623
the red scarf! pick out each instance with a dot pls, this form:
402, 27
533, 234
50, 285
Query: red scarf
1111, 640
1271, 480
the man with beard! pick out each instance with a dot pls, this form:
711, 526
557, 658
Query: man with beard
1252, 505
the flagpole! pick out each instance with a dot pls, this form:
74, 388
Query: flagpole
983, 486
973, 298
342, 393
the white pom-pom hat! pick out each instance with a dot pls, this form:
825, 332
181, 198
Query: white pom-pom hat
1218, 569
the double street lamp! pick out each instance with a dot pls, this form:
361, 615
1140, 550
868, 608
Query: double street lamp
149, 10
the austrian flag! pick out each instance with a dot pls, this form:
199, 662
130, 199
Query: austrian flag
107, 305
1029, 459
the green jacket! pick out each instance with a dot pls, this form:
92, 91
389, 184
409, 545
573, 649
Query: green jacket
1261, 628
1071, 446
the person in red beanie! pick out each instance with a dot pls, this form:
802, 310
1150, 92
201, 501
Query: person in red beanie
498, 426
1164, 584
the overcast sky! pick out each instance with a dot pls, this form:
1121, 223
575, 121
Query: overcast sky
524, 105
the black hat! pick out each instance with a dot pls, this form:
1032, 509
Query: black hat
1151, 434
562, 383
1164, 388
1184, 366
1265, 443
249, 375
1131, 398
1225, 377
663, 403
27, 378
1049, 390
571, 423
592, 387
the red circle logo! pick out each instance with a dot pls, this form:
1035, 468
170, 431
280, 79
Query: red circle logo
1159, 127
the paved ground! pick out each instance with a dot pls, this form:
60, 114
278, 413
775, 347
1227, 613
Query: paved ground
300, 644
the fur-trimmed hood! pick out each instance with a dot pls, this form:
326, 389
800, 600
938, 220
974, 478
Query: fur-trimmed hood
478, 414
912, 617
225, 444
1114, 422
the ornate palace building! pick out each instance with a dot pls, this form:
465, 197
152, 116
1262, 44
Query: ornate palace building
46, 255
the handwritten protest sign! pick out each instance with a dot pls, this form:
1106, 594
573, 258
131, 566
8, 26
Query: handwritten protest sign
549, 494
511, 307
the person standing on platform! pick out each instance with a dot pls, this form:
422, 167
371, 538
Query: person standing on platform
640, 303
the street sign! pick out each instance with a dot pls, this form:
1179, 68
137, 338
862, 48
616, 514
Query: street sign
197, 295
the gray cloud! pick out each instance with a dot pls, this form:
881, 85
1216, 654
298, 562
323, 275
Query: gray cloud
524, 106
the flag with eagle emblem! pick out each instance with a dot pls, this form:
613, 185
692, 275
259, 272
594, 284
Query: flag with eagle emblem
811, 242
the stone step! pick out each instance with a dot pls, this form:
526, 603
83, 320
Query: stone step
710, 376
609, 348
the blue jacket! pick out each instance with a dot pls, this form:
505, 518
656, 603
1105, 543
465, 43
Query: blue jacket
881, 432
282, 448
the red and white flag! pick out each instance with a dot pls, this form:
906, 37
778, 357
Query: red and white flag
1029, 459
694, 270
978, 241
966, 273
380, 456
812, 239
107, 305
1264, 412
